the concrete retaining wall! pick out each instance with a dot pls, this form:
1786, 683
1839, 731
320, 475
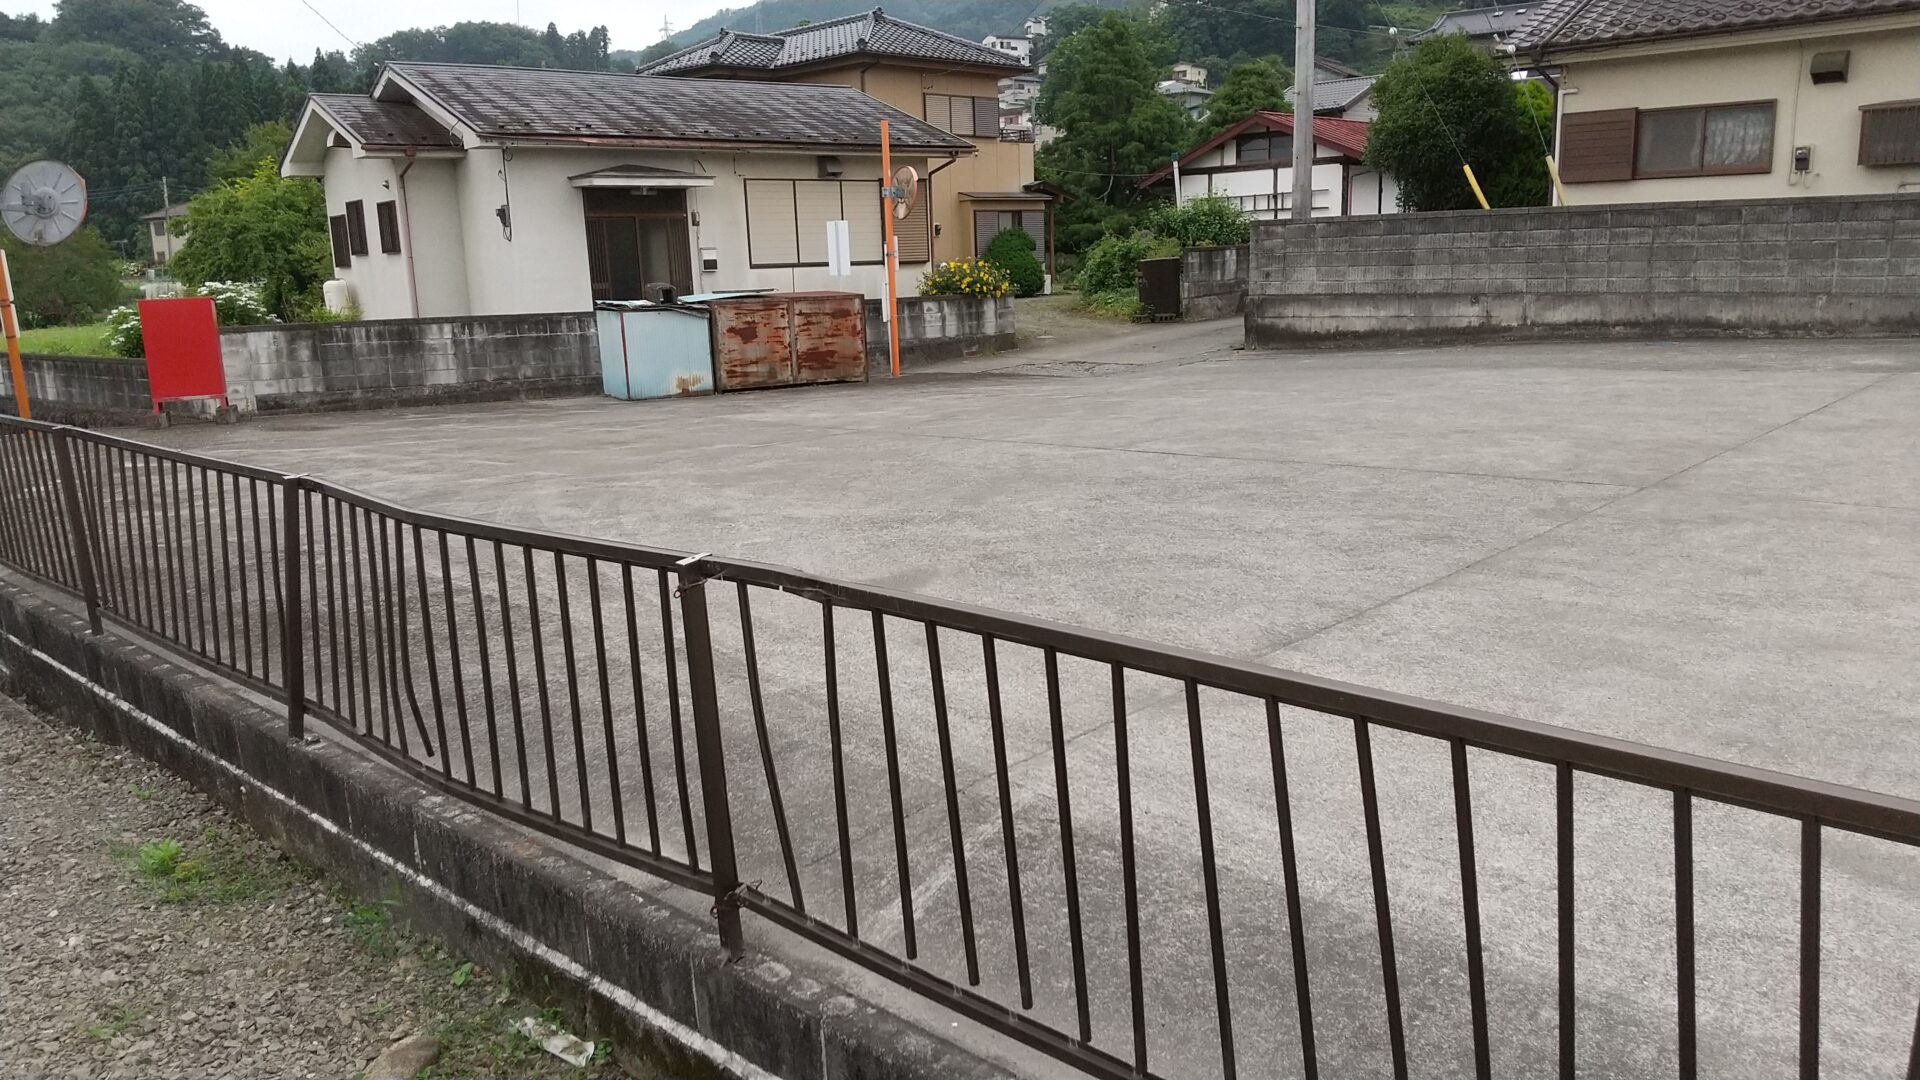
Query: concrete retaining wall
85, 390
1213, 282
1777, 266
407, 361
940, 328
616, 960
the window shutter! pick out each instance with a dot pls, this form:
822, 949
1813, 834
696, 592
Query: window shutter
962, 116
1597, 146
357, 227
986, 117
1035, 224
914, 233
939, 111
337, 228
1890, 133
771, 240
389, 219
816, 202
860, 200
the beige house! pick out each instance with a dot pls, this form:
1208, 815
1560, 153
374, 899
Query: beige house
159, 230
951, 83
1679, 100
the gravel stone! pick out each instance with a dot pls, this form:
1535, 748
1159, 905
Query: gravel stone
101, 976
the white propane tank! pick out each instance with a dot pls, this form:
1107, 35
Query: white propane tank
337, 294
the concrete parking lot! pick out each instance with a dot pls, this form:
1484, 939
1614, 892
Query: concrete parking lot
1705, 546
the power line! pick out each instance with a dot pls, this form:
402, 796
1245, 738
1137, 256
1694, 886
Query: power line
330, 26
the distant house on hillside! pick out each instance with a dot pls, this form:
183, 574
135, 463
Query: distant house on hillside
1190, 96
951, 83
457, 189
1491, 27
1251, 163
1340, 91
165, 243
1017, 46
1665, 100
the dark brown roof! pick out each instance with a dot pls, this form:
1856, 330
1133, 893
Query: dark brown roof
1559, 25
384, 123
867, 34
541, 104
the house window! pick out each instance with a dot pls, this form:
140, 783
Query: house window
1890, 133
988, 224
787, 220
636, 241
1265, 146
977, 116
357, 227
1712, 140
337, 229
389, 219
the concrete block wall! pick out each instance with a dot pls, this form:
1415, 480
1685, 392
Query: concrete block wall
399, 361
1809, 265
81, 389
1213, 282
940, 328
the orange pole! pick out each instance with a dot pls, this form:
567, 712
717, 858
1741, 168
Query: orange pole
891, 251
10, 325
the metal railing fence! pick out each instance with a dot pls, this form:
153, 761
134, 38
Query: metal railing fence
953, 797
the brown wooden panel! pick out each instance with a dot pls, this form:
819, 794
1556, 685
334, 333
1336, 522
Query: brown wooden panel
1596, 146
752, 343
829, 337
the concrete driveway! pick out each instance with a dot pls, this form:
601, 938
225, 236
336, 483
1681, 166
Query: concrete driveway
1707, 546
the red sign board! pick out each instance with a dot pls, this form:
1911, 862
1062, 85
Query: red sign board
182, 340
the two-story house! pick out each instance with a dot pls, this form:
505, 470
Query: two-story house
952, 83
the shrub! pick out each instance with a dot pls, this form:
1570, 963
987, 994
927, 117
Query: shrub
1113, 264
966, 277
123, 332
64, 284
1013, 252
1208, 221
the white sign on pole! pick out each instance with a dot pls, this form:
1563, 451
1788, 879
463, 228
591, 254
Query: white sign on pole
839, 249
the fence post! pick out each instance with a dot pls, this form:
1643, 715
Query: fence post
292, 652
713, 763
77, 525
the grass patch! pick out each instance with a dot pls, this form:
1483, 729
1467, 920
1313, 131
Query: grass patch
117, 1022
219, 867
88, 340
1122, 305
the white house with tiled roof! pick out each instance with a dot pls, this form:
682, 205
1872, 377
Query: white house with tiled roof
1680, 100
458, 189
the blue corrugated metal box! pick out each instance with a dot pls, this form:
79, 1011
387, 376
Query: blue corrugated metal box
654, 350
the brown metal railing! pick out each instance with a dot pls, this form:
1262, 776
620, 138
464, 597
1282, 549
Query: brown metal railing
666, 710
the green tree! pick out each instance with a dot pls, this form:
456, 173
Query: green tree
153, 29
239, 159
1012, 250
656, 51
74, 281
263, 228
1446, 103
1114, 126
1524, 181
1259, 86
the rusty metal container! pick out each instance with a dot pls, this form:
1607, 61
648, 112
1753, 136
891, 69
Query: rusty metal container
789, 339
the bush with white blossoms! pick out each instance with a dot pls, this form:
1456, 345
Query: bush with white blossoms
235, 303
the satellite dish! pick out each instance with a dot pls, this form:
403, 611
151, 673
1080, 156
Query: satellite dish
906, 180
43, 202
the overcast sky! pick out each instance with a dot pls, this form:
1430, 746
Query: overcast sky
287, 29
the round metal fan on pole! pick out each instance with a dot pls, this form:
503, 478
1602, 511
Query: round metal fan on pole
43, 203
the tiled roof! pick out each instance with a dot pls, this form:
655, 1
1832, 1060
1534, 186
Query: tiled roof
869, 33
1347, 136
384, 123
587, 106
1573, 24
1481, 22
1338, 93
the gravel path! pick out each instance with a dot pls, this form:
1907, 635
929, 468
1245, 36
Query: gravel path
145, 934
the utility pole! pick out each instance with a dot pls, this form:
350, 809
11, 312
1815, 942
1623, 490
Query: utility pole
166, 222
1303, 110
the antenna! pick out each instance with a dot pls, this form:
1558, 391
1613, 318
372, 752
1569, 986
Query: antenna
43, 202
